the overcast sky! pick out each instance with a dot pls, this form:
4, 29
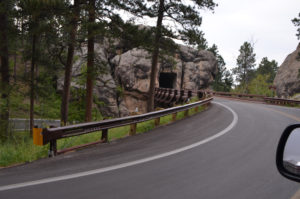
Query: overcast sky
267, 23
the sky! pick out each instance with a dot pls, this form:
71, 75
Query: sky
265, 23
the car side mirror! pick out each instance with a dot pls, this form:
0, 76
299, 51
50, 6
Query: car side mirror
288, 153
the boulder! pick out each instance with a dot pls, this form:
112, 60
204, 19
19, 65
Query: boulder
132, 70
287, 80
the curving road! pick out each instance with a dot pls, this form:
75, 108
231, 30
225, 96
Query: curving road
227, 151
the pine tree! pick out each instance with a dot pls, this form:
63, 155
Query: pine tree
6, 7
245, 64
38, 15
296, 22
75, 13
269, 68
223, 79
90, 61
185, 14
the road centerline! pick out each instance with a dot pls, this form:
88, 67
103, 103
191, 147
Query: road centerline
284, 114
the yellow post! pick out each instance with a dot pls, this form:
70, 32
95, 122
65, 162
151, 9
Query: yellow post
37, 136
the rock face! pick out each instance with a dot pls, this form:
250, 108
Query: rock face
123, 79
287, 80
189, 69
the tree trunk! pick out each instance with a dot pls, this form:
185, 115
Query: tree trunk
15, 66
150, 103
4, 69
69, 64
90, 62
32, 82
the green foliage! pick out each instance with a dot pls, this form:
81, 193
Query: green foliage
223, 79
245, 64
296, 22
20, 148
269, 68
186, 16
261, 79
260, 86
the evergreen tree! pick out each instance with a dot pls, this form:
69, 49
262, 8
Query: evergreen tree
90, 61
227, 81
296, 22
38, 15
6, 23
245, 63
223, 79
72, 18
269, 68
185, 14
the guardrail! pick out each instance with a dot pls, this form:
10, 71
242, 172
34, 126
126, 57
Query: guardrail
166, 97
237, 95
261, 98
51, 135
280, 101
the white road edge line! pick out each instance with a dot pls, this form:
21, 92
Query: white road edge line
128, 164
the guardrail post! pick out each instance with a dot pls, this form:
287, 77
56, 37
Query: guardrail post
132, 129
186, 113
104, 136
133, 126
53, 147
174, 115
157, 121
196, 109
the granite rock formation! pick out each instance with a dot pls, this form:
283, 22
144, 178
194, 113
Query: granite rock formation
123, 78
287, 80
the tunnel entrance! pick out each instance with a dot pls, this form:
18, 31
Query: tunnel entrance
167, 80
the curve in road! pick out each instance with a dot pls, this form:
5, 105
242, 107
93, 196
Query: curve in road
239, 164
127, 164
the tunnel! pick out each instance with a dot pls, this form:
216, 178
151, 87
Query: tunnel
167, 80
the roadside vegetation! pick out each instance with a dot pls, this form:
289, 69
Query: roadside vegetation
249, 79
38, 44
20, 149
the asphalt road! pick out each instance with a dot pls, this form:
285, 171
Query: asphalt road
215, 154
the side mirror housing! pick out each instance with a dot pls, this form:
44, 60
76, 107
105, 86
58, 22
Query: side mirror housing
288, 153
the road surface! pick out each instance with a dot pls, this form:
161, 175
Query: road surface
227, 151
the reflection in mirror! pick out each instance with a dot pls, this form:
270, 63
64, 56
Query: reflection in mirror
291, 155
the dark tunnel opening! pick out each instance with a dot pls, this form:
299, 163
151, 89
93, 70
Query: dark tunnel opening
167, 80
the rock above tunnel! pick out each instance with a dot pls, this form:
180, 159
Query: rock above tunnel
287, 80
187, 69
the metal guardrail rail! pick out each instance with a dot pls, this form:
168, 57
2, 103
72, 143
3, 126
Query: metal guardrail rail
51, 135
166, 97
262, 98
281, 101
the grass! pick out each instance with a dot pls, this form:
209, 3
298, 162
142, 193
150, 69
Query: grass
20, 148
